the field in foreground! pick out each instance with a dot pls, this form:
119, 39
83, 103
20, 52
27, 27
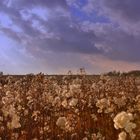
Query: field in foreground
38, 107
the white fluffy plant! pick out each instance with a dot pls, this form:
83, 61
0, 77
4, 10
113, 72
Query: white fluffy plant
123, 120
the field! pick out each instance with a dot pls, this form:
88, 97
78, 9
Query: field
82, 107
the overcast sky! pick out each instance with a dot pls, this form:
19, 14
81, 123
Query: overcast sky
54, 36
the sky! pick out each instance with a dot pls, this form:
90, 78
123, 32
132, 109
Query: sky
54, 36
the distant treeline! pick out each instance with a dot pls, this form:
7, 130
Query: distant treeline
111, 73
118, 73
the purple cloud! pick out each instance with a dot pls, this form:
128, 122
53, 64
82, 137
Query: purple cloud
53, 26
128, 10
42, 3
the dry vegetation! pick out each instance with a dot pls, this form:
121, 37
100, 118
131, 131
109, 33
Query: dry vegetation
38, 107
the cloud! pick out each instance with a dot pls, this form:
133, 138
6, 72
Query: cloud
119, 44
42, 3
60, 33
102, 64
128, 10
44, 27
67, 37
120, 38
121, 13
